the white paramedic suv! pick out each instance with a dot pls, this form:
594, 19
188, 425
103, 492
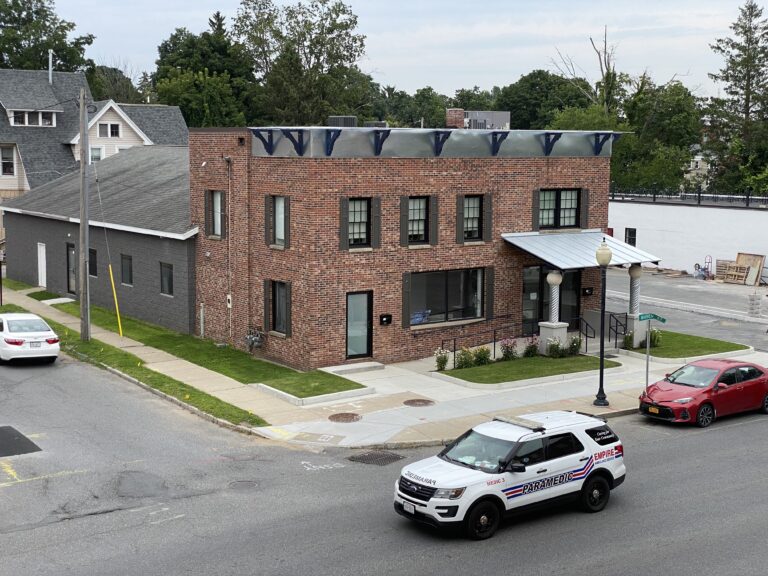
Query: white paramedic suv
510, 464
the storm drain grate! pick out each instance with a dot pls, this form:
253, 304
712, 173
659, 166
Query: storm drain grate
345, 417
13, 442
376, 457
611, 356
418, 402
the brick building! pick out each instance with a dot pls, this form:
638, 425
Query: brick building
361, 243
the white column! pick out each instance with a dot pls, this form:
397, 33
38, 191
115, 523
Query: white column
554, 279
635, 272
554, 329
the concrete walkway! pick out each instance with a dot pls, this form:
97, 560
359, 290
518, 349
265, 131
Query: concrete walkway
410, 405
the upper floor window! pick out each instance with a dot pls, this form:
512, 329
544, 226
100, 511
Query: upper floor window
559, 208
214, 213
7, 165
108, 130
359, 222
33, 118
418, 220
473, 218
277, 221
97, 153
630, 236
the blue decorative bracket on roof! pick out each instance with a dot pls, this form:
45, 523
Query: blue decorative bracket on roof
331, 135
549, 141
379, 137
297, 140
269, 141
600, 139
440, 138
496, 139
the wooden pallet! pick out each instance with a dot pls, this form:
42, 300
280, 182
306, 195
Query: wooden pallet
736, 274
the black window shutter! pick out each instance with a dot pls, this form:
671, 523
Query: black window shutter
487, 217
460, 219
224, 208
267, 304
433, 222
403, 220
584, 208
287, 223
287, 308
406, 299
489, 280
208, 223
344, 224
268, 219
536, 207
376, 222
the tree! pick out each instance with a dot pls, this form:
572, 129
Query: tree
429, 108
111, 83
204, 99
29, 28
310, 47
535, 98
474, 99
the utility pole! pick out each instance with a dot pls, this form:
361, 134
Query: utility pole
85, 304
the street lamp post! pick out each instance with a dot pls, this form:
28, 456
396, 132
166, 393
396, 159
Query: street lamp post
603, 257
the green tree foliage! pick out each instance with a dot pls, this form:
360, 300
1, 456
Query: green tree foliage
537, 96
29, 28
204, 99
429, 106
737, 132
310, 46
109, 83
474, 99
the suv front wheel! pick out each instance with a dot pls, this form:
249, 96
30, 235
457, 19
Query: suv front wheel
483, 520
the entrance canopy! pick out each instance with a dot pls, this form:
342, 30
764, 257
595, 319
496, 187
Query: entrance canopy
572, 250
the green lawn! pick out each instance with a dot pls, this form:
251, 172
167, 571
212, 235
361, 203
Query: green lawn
523, 368
11, 308
15, 284
676, 345
236, 364
43, 295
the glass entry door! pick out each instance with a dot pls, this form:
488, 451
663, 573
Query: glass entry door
531, 299
536, 298
71, 269
359, 324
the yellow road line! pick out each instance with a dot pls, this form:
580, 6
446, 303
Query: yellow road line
9, 471
43, 477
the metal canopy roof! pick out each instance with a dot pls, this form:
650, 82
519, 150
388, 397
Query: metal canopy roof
572, 250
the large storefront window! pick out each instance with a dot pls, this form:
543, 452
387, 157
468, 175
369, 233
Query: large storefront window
446, 296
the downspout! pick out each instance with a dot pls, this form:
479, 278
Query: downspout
50, 66
228, 160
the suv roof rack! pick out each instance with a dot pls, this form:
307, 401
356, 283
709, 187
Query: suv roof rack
517, 421
596, 417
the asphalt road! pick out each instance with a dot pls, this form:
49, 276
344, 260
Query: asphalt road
128, 484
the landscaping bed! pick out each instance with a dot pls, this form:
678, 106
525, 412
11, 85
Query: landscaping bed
677, 345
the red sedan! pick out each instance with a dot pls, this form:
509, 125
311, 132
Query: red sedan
706, 389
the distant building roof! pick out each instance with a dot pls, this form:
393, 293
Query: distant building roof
144, 189
163, 124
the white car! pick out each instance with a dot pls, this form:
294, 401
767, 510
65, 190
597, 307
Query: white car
27, 336
510, 464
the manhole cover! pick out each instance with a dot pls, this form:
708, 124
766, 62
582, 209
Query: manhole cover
13, 442
344, 417
417, 402
377, 457
243, 485
610, 356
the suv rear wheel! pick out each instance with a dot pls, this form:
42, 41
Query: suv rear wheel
595, 494
483, 520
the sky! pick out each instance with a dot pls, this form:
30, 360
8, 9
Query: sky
453, 44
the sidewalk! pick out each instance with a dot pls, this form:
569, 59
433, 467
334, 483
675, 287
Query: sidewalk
410, 406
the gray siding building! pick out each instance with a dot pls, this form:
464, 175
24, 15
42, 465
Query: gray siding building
140, 223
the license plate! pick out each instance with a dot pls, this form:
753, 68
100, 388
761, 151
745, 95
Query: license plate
408, 507
653, 410
34, 344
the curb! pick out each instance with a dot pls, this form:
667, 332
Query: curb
680, 361
311, 400
520, 383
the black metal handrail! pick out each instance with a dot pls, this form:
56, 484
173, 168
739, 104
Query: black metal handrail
474, 335
616, 327
585, 329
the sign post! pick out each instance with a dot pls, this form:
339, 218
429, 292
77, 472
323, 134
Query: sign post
649, 317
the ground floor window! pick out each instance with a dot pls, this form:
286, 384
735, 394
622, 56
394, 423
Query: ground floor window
279, 307
126, 269
166, 279
446, 296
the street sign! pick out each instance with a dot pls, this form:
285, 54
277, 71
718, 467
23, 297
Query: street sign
649, 316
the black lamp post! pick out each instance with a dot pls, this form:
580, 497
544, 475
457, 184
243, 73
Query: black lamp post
603, 257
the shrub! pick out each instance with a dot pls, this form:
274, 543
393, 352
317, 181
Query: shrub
465, 358
531, 348
482, 356
441, 358
655, 335
628, 340
574, 346
508, 349
555, 349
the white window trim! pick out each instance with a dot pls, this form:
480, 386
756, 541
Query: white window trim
109, 129
12, 120
103, 153
15, 167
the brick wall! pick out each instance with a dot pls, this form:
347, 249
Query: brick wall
321, 275
454, 118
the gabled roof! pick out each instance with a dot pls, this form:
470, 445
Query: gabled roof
44, 151
154, 123
144, 189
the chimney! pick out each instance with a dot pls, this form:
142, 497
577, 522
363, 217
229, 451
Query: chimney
454, 118
50, 67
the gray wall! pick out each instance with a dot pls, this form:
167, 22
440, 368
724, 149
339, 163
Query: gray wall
142, 300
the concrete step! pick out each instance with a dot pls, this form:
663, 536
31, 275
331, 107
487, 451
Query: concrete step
353, 368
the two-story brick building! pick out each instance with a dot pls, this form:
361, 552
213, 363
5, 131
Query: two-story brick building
378, 244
